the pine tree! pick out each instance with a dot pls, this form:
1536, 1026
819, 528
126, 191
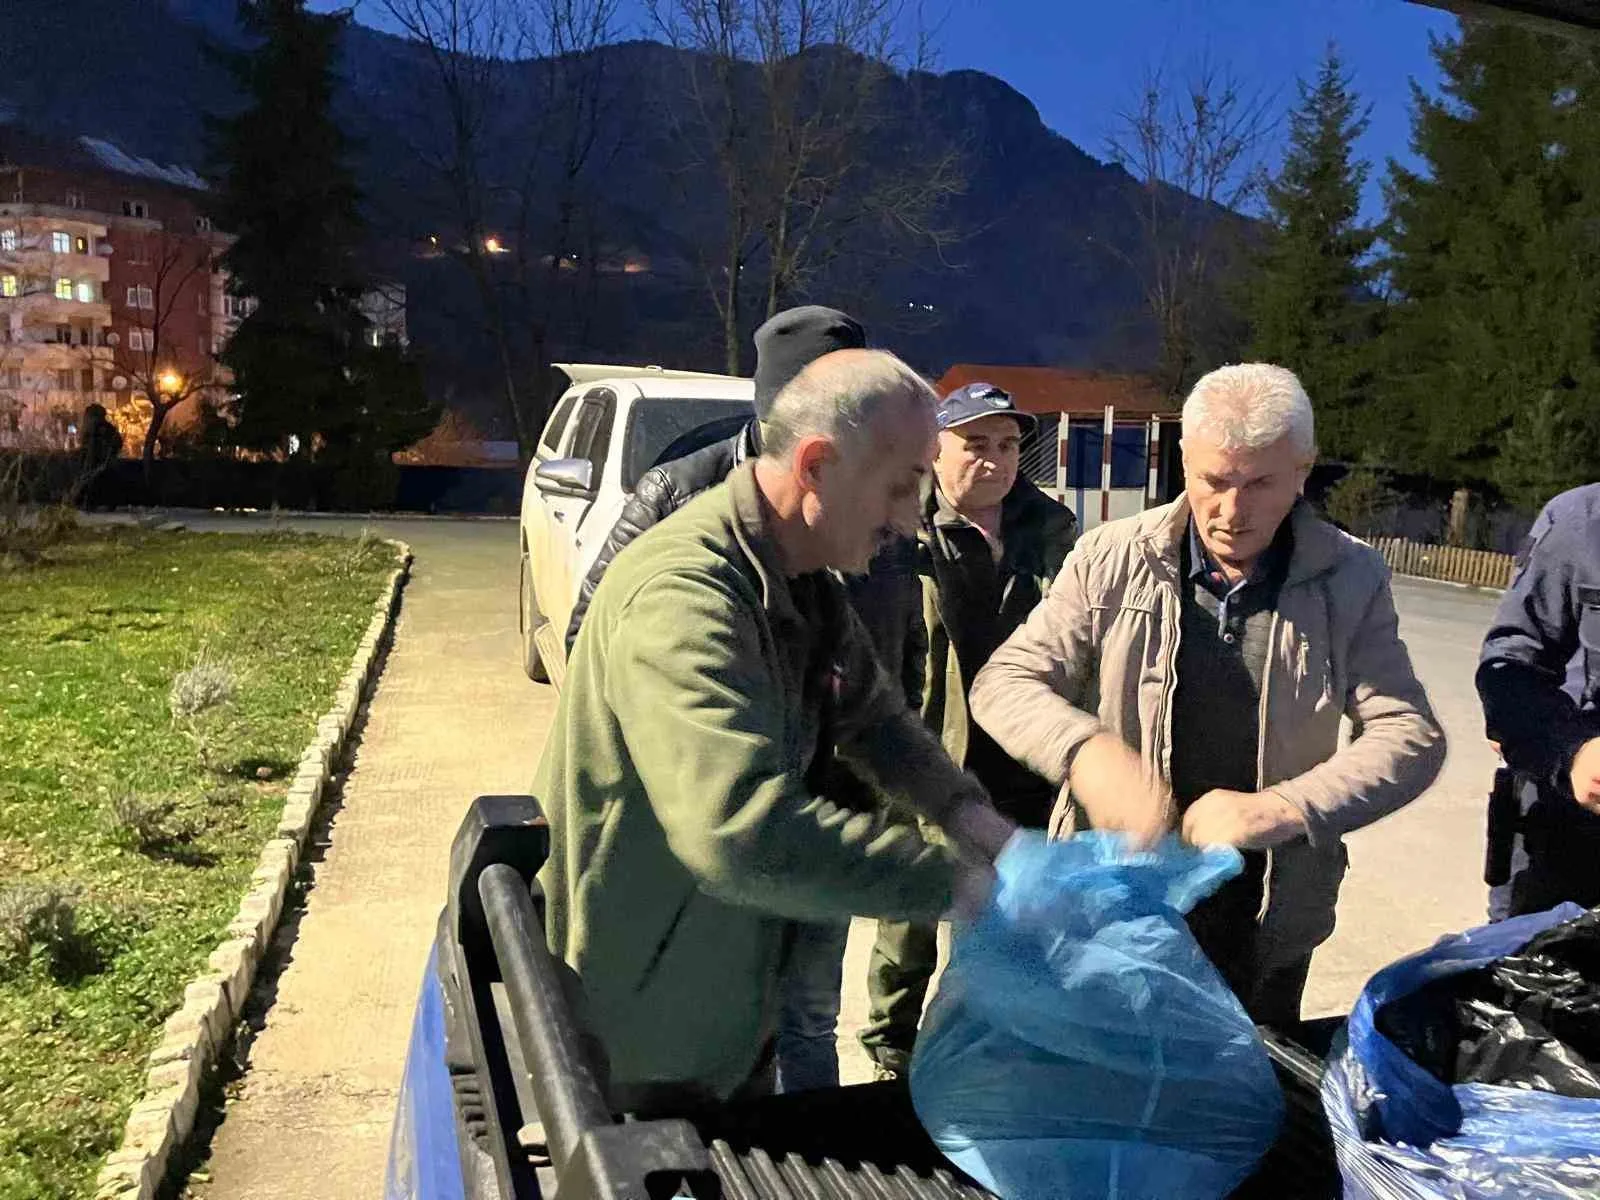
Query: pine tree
1311, 304
1493, 261
1552, 446
303, 369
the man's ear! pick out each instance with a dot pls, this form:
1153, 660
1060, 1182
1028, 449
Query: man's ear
811, 456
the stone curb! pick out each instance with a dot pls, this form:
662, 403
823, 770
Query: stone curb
164, 1115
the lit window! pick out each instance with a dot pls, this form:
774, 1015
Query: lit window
63, 289
136, 340
60, 243
80, 245
8, 285
86, 293
8, 240
146, 297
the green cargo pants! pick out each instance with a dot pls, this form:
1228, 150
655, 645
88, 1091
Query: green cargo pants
904, 957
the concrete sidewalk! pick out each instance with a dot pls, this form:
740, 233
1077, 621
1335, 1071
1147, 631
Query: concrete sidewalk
452, 717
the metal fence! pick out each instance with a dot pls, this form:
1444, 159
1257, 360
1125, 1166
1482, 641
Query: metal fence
1040, 452
1453, 564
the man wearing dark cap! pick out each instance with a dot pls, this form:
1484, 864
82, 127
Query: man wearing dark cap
887, 599
784, 346
989, 546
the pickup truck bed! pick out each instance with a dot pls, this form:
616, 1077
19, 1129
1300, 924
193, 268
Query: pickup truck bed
527, 1117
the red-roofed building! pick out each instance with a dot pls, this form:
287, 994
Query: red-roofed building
1107, 445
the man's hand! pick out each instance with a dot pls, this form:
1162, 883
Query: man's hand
1245, 820
974, 885
979, 831
1586, 775
1118, 793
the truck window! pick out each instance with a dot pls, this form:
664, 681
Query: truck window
591, 437
658, 423
552, 431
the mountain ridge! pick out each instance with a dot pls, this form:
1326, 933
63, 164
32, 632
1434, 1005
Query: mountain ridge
1039, 274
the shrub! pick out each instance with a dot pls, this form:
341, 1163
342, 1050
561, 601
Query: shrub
363, 552
206, 685
1362, 502
35, 914
147, 825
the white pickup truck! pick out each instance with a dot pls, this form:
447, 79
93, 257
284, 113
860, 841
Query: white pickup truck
609, 427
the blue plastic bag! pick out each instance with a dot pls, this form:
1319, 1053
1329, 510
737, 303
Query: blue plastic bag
1401, 1134
1082, 1045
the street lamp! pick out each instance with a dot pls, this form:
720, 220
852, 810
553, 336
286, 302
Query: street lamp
169, 382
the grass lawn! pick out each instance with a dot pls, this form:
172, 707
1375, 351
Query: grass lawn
90, 643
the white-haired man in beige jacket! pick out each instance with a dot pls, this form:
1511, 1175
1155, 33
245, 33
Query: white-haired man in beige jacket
1190, 669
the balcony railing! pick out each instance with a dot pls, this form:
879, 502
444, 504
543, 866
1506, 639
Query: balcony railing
38, 308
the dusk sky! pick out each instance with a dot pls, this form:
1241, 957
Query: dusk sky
1080, 61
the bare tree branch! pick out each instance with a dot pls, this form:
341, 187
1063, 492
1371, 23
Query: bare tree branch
789, 103
157, 371
1193, 146
512, 133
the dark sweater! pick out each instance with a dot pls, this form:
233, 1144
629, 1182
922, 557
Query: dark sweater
1223, 645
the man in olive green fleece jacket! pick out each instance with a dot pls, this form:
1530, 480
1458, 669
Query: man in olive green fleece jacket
719, 665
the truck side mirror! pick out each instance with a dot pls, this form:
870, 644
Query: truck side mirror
566, 477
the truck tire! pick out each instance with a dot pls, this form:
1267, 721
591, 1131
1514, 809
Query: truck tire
529, 618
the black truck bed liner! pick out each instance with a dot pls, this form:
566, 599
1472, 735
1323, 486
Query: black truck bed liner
842, 1144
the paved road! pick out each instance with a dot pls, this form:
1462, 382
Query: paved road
1418, 875
453, 717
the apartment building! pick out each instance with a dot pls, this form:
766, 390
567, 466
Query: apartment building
108, 288
55, 320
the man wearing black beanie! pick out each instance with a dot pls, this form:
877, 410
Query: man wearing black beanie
888, 599
785, 345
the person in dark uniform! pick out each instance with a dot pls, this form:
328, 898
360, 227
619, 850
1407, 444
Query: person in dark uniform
1539, 680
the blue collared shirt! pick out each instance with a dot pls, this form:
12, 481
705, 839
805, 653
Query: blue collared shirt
1236, 601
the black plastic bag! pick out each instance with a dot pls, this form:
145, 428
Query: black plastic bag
1401, 1132
1531, 1020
